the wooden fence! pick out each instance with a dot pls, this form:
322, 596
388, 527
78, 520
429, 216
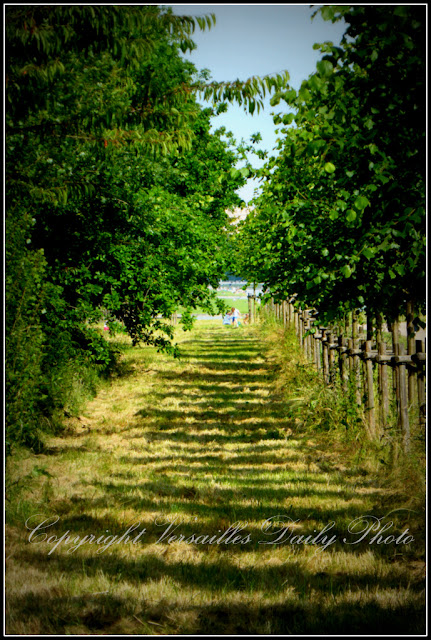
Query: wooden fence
387, 379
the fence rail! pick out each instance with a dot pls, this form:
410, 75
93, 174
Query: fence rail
382, 374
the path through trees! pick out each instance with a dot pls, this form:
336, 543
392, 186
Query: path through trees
201, 454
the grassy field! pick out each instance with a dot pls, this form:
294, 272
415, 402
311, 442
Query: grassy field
238, 300
196, 465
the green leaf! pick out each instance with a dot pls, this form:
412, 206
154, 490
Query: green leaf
304, 93
341, 205
361, 202
287, 119
368, 253
316, 83
329, 167
351, 215
346, 271
325, 68
289, 96
316, 146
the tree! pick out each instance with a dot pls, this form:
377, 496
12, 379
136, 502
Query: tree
110, 203
341, 221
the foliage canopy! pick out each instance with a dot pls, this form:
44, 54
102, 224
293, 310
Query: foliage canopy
116, 189
341, 220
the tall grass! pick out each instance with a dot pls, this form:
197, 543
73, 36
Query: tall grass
220, 438
333, 412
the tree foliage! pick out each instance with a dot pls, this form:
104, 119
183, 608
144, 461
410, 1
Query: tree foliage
116, 189
341, 221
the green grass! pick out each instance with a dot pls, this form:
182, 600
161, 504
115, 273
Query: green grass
241, 305
230, 299
205, 442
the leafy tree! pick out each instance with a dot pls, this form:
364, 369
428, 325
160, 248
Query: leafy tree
341, 220
116, 191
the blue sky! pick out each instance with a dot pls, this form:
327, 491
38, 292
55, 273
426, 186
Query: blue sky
258, 40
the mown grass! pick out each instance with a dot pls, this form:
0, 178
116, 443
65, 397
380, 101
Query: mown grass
199, 444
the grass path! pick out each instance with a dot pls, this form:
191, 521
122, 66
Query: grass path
187, 449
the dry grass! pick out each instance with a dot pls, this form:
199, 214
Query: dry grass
203, 443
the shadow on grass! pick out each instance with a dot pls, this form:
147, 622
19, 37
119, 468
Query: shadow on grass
209, 464
219, 578
105, 614
174, 498
219, 574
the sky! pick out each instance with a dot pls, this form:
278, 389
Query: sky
258, 40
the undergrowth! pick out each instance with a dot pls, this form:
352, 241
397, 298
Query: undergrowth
340, 424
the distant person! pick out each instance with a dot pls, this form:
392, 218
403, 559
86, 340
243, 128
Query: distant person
227, 318
235, 314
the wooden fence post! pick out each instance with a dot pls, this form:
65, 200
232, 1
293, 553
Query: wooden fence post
292, 314
300, 331
411, 349
313, 341
331, 366
369, 387
342, 362
403, 413
356, 358
317, 352
383, 360
395, 370
354, 325
347, 324
325, 359
306, 325
355, 373
380, 367
420, 359
350, 354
